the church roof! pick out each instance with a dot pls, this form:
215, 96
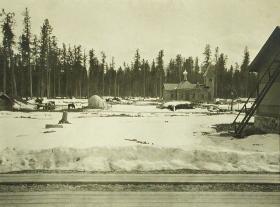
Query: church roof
182, 85
186, 85
170, 86
268, 54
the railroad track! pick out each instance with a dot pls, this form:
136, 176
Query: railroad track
140, 198
140, 178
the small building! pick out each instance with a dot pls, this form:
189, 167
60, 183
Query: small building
6, 103
267, 117
186, 91
169, 91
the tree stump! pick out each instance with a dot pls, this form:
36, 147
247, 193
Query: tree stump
64, 119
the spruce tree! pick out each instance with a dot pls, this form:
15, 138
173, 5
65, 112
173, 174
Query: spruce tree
179, 65
160, 72
136, 74
46, 31
102, 72
35, 59
8, 23
245, 71
207, 58
25, 48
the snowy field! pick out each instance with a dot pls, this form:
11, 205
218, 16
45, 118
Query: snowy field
130, 138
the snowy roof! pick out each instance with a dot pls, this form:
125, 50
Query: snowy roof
269, 52
175, 103
170, 86
182, 85
186, 85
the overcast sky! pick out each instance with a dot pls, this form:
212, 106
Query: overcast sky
119, 27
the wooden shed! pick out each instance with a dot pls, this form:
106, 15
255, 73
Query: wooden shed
6, 103
169, 91
267, 65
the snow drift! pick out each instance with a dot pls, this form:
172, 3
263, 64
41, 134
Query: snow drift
177, 140
137, 158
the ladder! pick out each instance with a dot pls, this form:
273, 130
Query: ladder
271, 75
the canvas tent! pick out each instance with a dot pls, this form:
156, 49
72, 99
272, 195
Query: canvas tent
95, 102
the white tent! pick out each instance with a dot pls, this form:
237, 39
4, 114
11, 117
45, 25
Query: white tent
95, 102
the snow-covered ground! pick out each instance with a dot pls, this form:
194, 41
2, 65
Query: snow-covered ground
130, 137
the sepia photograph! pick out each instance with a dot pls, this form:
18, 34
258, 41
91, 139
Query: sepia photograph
140, 103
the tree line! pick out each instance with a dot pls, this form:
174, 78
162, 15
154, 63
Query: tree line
35, 65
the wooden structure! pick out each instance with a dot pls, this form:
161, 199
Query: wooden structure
267, 103
6, 102
186, 91
210, 81
64, 118
169, 91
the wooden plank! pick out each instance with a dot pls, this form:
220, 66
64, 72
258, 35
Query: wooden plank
140, 178
139, 199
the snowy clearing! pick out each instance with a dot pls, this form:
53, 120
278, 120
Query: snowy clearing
130, 137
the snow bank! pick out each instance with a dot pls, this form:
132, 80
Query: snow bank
175, 103
23, 106
141, 158
95, 143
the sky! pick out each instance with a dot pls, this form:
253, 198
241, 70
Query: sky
119, 27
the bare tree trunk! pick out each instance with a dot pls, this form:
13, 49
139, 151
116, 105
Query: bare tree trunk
109, 85
35, 78
30, 79
115, 85
103, 84
88, 87
14, 83
216, 84
42, 82
247, 83
160, 86
76, 89
80, 89
58, 84
156, 93
23, 74
54, 83
48, 83
4, 76
144, 92
66, 82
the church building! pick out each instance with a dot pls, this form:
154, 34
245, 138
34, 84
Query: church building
187, 91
